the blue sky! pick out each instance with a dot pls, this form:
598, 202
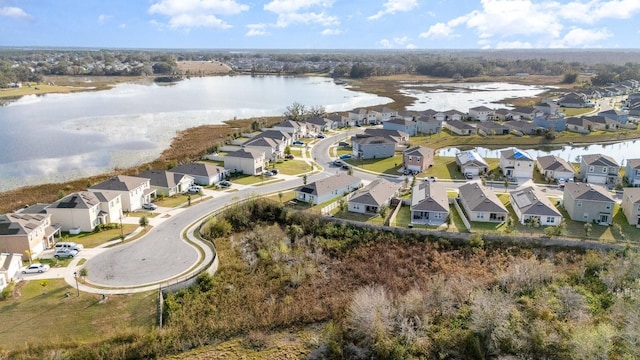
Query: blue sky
322, 24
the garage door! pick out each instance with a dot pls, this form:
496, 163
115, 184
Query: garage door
38, 248
595, 179
471, 170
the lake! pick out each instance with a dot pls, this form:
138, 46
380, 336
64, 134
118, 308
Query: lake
59, 137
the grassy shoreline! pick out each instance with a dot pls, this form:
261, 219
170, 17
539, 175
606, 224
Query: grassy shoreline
189, 144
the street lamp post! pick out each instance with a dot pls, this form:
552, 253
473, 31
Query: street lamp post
75, 276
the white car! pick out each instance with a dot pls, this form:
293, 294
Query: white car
195, 188
65, 253
68, 245
149, 206
35, 268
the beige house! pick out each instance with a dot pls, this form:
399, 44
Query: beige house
167, 183
530, 204
516, 163
599, 169
84, 210
245, 161
327, 189
481, 204
10, 265
134, 191
372, 197
429, 204
470, 162
200, 173
555, 167
21, 232
631, 205
418, 158
588, 203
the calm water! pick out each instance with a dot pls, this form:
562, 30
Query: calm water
462, 96
58, 137
619, 151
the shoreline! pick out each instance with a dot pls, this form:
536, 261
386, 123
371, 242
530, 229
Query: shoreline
191, 143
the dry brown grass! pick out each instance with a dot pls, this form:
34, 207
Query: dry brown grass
203, 67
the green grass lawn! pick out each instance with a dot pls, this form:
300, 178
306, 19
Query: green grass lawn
575, 111
293, 167
173, 201
213, 162
94, 239
149, 214
247, 179
365, 218
42, 315
286, 196
389, 165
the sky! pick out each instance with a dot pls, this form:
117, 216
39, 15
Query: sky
321, 24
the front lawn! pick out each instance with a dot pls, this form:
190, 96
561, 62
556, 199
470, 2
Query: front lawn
94, 239
389, 165
173, 201
293, 167
575, 111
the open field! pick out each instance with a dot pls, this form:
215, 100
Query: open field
203, 68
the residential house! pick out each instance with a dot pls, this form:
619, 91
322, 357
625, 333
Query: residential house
588, 203
295, 128
573, 100
551, 122
84, 210
201, 173
599, 169
524, 127
399, 124
429, 204
454, 115
357, 116
481, 113
134, 191
340, 121
26, 232
318, 124
418, 158
459, 127
277, 135
372, 197
505, 114
601, 123
481, 204
555, 167
440, 116
382, 114
10, 265
168, 183
632, 172
516, 163
399, 137
273, 149
408, 115
631, 205
429, 113
470, 162
524, 113
245, 161
546, 108
578, 124
326, 189
427, 125
487, 128
372, 147
531, 206
616, 115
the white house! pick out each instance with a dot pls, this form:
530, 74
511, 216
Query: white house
10, 264
326, 189
470, 162
134, 191
201, 173
516, 163
245, 161
167, 183
481, 113
372, 197
84, 210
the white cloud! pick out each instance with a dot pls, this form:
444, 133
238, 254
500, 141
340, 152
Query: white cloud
289, 6
16, 13
578, 37
331, 32
396, 42
102, 18
394, 6
437, 31
596, 10
513, 45
411, 46
385, 43
122, 26
256, 30
286, 19
197, 13
401, 40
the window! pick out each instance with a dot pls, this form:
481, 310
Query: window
604, 170
579, 203
550, 219
592, 169
480, 215
410, 158
608, 207
585, 216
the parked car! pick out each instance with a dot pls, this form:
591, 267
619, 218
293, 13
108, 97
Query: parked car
275, 171
338, 162
343, 143
289, 156
561, 182
267, 173
468, 176
345, 156
194, 189
432, 179
298, 142
68, 245
309, 136
406, 172
65, 253
320, 136
149, 206
224, 183
35, 268
346, 166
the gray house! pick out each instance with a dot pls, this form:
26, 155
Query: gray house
631, 205
555, 167
167, 183
401, 124
327, 189
428, 125
632, 172
599, 169
372, 147
481, 204
530, 204
202, 173
429, 204
372, 197
588, 203
470, 162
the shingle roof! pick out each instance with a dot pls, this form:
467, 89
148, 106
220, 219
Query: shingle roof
170, 179
479, 198
531, 201
120, 183
21, 224
79, 200
589, 192
515, 154
633, 163
632, 193
429, 196
327, 185
378, 192
400, 121
246, 154
470, 157
365, 139
419, 150
481, 108
554, 163
599, 160
460, 125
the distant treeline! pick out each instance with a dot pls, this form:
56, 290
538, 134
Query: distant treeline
31, 65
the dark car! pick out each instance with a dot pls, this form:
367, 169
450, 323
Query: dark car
343, 143
300, 143
289, 156
345, 156
320, 136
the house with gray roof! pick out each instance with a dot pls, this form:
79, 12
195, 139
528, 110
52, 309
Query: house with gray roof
169, 183
454, 115
372, 147
573, 100
326, 189
245, 161
599, 169
470, 162
524, 112
320, 124
616, 115
372, 197
204, 174
84, 210
551, 122
516, 163
631, 205
481, 204
10, 265
588, 203
481, 113
418, 158
428, 125
530, 204
601, 123
400, 124
26, 232
632, 172
505, 114
547, 108
277, 135
273, 149
295, 128
134, 191
524, 127
429, 204
553, 167
492, 128
578, 124
459, 127
399, 137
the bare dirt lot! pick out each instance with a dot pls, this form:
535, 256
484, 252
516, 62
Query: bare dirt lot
203, 67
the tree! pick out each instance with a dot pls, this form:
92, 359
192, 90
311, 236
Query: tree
287, 150
570, 77
294, 232
304, 179
280, 194
383, 210
295, 112
143, 221
316, 111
